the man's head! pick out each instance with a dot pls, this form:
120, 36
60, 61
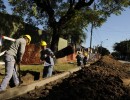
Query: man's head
43, 44
85, 54
27, 38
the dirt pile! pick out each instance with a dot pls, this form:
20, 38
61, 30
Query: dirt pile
100, 81
111, 66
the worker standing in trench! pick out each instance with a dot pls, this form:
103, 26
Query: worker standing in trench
11, 57
47, 57
85, 58
79, 58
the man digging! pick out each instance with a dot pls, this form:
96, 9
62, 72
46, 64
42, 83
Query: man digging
11, 57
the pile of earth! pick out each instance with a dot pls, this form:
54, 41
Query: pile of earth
100, 81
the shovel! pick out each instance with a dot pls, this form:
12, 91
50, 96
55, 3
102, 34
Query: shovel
19, 71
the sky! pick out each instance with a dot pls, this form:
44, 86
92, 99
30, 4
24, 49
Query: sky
114, 30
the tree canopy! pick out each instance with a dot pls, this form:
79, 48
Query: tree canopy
103, 51
66, 17
122, 50
2, 6
123, 47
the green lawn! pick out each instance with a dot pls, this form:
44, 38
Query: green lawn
57, 67
39, 68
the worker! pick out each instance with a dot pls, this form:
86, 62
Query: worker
85, 58
47, 57
79, 58
12, 57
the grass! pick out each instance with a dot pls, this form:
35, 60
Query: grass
39, 68
36, 68
65, 66
57, 67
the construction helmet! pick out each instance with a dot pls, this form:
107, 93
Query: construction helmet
43, 43
29, 38
86, 54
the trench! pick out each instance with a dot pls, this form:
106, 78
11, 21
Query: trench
16, 91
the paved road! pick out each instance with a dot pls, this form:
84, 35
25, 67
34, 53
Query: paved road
123, 61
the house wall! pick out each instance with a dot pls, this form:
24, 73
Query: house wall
62, 43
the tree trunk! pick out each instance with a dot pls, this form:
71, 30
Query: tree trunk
55, 40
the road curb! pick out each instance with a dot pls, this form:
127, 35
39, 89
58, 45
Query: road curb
16, 91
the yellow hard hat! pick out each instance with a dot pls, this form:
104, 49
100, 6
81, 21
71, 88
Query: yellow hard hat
29, 38
43, 43
86, 54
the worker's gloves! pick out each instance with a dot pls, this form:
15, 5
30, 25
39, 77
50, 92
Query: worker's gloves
45, 55
18, 62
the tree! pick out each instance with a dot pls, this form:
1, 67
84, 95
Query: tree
116, 55
123, 48
103, 51
49, 10
57, 13
2, 7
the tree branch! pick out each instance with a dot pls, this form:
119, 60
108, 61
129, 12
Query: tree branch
82, 3
71, 11
45, 5
72, 3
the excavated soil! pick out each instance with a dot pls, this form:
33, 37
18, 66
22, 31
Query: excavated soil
100, 81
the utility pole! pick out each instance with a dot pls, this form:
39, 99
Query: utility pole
101, 46
126, 50
92, 26
91, 36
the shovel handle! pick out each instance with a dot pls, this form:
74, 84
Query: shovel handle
19, 70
